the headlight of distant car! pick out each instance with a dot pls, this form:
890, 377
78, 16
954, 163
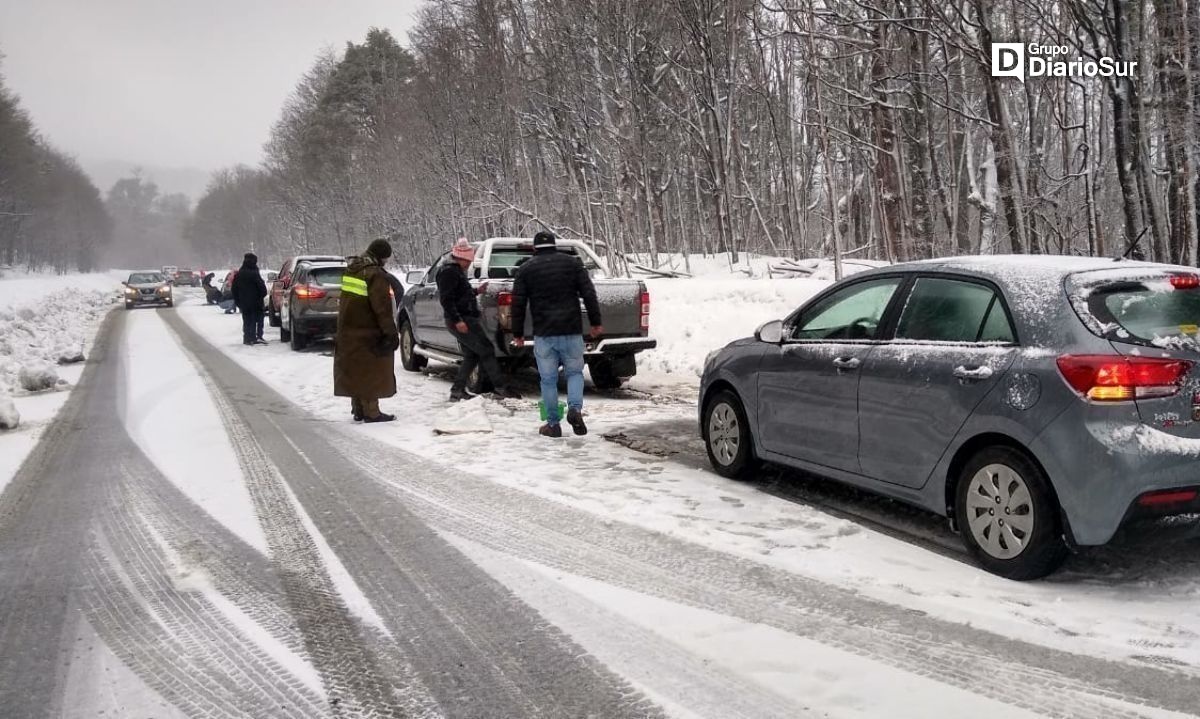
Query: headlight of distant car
130, 291
164, 290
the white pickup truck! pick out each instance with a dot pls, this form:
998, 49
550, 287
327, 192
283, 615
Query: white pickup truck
624, 306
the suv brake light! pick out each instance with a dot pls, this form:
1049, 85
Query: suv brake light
308, 292
1185, 281
1114, 378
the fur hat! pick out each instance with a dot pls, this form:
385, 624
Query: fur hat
379, 249
462, 250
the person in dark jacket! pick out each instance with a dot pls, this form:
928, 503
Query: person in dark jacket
461, 312
249, 291
211, 294
551, 284
364, 357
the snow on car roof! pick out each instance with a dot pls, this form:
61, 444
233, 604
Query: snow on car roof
1050, 264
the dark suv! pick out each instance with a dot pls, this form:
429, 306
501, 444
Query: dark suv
285, 279
309, 307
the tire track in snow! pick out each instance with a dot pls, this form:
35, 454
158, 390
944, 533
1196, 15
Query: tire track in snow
210, 640
1029, 676
474, 645
354, 679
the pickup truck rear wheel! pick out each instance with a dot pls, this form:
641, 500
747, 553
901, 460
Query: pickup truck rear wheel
409, 359
477, 381
604, 374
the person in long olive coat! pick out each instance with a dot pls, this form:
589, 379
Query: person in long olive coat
364, 366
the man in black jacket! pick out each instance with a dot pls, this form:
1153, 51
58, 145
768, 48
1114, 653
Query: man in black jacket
248, 292
552, 283
461, 311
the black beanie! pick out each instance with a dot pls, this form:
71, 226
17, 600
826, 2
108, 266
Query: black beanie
543, 239
379, 249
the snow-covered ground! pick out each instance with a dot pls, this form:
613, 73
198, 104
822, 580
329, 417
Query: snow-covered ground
44, 318
1092, 609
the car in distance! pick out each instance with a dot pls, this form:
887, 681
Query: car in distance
1038, 402
283, 280
185, 277
147, 288
309, 309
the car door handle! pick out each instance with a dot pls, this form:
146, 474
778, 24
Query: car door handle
973, 374
845, 364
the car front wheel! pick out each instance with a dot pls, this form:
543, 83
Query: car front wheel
409, 359
1008, 515
727, 436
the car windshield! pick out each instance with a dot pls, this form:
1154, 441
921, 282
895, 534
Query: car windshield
146, 278
1155, 312
505, 260
326, 276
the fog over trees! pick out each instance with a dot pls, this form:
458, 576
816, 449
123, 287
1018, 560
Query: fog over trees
51, 215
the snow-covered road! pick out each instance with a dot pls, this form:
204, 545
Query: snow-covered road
204, 532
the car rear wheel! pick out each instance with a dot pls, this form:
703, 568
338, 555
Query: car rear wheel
477, 381
273, 317
409, 359
1008, 515
727, 436
299, 340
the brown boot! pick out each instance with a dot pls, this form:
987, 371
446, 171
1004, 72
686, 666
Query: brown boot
550, 430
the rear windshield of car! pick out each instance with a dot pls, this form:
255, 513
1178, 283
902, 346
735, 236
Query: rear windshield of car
506, 260
145, 278
326, 276
1149, 311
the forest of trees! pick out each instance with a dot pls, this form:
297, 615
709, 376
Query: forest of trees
869, 127
51, 215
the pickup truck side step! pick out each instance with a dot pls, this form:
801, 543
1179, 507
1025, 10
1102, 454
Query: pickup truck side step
435, 355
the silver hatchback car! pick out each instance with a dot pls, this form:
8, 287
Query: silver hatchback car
1038, 402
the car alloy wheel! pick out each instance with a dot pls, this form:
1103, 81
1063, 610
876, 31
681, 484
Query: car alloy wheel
1000, 513
727, 436
724, 433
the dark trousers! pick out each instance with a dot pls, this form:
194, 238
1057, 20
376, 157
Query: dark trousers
252, 325
477, 349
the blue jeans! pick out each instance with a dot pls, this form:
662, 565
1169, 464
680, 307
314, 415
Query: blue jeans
550, 352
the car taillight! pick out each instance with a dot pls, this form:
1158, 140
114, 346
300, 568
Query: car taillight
1113, 378
1185, 281
645, 312
504, 302
1168, 497
308, 292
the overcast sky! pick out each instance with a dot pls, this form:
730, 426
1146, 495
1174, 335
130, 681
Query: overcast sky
184, 83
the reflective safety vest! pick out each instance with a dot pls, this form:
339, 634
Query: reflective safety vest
354, 286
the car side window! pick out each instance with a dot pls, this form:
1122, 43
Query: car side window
945, 310
852, 313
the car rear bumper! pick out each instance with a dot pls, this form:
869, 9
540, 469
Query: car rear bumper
607, 346
316, 324
1103, 471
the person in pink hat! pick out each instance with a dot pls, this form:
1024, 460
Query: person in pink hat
461, 311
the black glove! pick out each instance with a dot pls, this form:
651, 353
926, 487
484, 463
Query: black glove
386, 345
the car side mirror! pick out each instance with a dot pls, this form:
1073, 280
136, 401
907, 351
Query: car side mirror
771, 332
414, 277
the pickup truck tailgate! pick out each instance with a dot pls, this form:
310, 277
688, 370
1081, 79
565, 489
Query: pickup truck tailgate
620, 306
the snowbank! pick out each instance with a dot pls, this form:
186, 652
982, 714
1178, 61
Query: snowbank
42, 330
692, 317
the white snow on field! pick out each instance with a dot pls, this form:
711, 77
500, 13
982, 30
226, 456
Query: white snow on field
43, 318
1114, 615
691, 317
